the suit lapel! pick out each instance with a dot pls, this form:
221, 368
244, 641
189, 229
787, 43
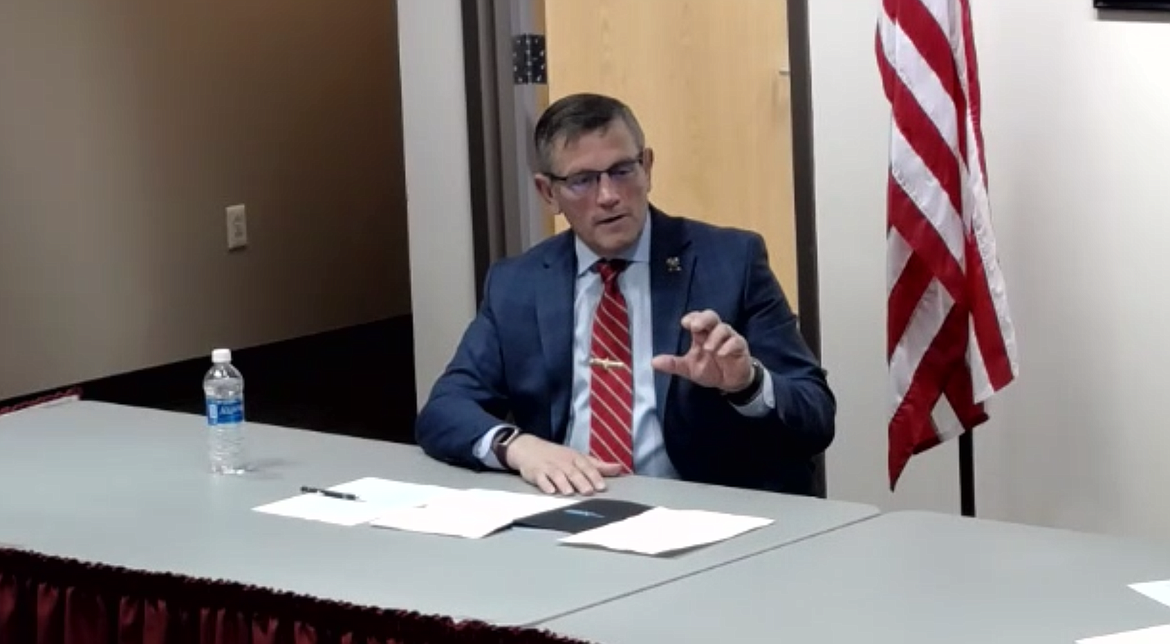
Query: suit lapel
671, 268
554, 317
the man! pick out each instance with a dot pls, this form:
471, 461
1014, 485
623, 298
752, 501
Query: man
575, 367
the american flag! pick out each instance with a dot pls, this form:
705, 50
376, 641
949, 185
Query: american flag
950, 340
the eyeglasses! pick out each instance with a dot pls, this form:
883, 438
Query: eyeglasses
584, 182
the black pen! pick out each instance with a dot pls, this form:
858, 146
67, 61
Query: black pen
329, 493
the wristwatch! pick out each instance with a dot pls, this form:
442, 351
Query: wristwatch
500, 444
745, 395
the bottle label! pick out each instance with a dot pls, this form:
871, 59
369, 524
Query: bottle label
221, 412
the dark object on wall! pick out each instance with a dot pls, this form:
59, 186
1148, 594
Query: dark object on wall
1135, 5
528, 60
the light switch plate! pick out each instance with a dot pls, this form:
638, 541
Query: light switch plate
237, 227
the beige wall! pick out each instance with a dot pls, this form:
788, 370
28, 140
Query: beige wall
126, 127
1077, 139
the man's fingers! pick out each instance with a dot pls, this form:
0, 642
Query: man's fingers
700, 321
609, 469
544, 483
580, 481
673, 365
563, 486
734, 345
698, 342
718, 337
564, 471
589, 468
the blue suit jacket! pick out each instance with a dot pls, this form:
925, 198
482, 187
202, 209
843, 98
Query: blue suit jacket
514, 361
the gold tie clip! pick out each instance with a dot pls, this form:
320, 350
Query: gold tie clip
606, 363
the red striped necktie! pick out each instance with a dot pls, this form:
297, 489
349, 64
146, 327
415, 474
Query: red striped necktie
611, 383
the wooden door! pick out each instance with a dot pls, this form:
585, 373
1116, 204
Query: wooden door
708, 81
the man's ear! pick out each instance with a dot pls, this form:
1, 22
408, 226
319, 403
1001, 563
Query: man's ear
544, 188
648, 165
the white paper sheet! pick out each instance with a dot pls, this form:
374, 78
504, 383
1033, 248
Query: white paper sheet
392, 494
471, 514
1158, 591
376, 497
1153, 635
315, 507
661, 530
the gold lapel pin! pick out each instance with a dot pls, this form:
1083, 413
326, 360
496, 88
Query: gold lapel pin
673, 265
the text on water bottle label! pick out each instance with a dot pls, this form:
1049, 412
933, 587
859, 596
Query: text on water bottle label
225, 412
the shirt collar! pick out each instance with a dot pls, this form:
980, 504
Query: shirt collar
640, 252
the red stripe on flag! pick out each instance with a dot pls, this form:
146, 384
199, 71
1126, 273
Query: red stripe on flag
928, 143
911, 429
930, 40
987, 330
923, 238
973, 90
887, 72
912, 283
935, 166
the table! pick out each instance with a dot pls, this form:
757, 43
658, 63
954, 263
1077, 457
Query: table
129, 487
904, 578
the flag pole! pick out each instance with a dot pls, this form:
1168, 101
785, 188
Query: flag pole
967, 473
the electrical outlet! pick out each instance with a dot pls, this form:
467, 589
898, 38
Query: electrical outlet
237, 227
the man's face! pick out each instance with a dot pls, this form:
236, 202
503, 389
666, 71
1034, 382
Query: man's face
602, 186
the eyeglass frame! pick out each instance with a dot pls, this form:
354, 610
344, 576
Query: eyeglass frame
592, 178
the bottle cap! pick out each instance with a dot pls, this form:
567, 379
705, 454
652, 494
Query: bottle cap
221, 356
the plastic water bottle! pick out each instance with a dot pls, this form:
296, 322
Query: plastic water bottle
223, 390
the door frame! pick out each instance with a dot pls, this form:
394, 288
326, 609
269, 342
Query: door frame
507, 216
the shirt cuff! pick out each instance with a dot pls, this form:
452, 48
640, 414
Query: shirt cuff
483, 448
763, 404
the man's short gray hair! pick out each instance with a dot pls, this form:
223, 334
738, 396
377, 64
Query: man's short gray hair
576, 115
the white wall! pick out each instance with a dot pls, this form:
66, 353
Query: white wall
1077, 148
438, 185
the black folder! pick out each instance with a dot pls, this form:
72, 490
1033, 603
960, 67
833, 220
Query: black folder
582, 516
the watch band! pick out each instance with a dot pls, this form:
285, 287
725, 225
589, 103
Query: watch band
500, 444
747, 394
